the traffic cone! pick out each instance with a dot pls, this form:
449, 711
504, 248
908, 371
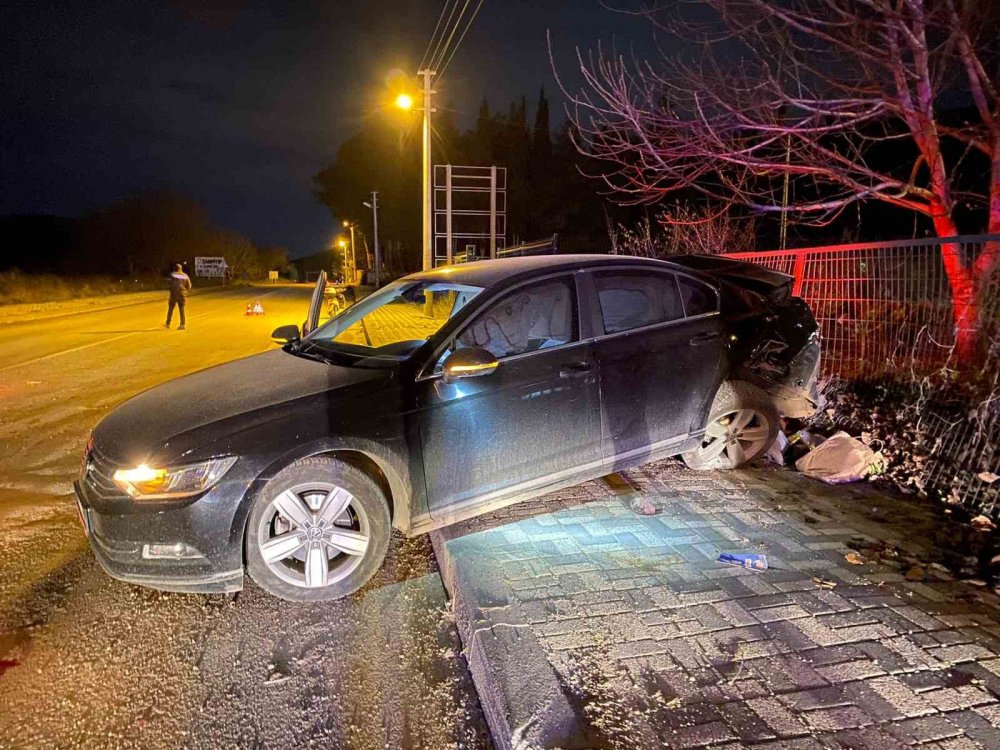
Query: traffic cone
249, 310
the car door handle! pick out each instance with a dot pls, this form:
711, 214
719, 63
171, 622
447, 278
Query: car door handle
704, 338
576, 369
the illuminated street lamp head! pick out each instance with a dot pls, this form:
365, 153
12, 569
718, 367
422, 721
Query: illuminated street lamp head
404, 101
347, 223
342, 242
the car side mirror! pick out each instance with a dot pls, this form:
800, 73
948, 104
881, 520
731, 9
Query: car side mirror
286, 333
472, 362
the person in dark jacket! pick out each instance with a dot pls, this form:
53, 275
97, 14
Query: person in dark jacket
180, 285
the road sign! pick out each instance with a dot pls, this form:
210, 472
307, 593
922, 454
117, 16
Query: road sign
210, 267
272, 275
470, 209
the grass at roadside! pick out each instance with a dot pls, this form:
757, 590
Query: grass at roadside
21, 288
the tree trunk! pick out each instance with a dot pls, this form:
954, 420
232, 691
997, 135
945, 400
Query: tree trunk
965, 311
964, 294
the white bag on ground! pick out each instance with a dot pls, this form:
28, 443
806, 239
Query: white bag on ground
776, 453
837, 460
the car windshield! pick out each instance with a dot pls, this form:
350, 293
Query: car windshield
395, 321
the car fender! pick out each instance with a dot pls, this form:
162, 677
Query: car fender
393, 466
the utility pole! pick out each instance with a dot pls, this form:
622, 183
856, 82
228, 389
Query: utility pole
428, 241
783, 238
354, 257
353, 260
378, 258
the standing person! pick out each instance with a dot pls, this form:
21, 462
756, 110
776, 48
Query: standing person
180, 284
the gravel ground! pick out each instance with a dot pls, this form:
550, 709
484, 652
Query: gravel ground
102, 664
89, 662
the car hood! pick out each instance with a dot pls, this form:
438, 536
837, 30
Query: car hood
148, 421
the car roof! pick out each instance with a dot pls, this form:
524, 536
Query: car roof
486, 273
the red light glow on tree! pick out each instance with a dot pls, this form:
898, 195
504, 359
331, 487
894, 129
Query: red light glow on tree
811, 89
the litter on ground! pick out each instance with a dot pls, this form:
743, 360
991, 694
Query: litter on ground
838, 460
751, 561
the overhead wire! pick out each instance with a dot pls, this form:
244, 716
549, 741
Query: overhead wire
439, 56
445, 38
437, 26
459, 43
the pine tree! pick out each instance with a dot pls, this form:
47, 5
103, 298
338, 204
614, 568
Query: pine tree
542, 136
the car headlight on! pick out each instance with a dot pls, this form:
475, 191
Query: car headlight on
151, 483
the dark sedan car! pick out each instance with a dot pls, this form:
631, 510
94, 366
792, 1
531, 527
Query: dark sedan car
444, 395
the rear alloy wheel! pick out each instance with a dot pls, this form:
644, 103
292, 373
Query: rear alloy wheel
742, 425
318, 530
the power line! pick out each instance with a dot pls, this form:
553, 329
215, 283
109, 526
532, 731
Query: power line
459, 43
445, 39
436, 60
434, 35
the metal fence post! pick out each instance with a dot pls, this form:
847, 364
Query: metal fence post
448, 207
799, 272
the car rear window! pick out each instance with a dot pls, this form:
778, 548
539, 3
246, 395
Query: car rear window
698, 298
635, 299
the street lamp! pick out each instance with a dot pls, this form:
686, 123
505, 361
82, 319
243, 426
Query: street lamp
374, 207
342, 244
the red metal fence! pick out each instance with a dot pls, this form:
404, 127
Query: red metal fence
882, 306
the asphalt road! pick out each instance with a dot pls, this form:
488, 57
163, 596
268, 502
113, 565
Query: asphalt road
86, 661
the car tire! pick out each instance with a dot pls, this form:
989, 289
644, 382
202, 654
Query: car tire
318, 530
742, 424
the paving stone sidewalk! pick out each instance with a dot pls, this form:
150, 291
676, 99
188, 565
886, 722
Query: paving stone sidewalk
587, 625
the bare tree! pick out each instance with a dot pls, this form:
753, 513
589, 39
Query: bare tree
683, 229
707, 231
808, 89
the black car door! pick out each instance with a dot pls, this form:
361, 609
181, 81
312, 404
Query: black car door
536, 416
660, 358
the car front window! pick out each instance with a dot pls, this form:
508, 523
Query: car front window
395, 321
533, 317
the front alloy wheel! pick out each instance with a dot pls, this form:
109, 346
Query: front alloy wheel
313, 534
319, 530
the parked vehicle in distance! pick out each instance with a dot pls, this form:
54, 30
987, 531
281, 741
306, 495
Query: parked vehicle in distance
444, 395
336, 300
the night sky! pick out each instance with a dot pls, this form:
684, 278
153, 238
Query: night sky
238, 104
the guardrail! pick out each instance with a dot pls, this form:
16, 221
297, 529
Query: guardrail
548, 246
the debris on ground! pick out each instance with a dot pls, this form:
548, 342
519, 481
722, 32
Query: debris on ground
824, 583
880, 551
641, 506
776, 453
983, 523
838, 460
751, 561
807, 438
854, 558
932, 433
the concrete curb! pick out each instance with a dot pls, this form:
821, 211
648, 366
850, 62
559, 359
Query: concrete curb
518, 689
